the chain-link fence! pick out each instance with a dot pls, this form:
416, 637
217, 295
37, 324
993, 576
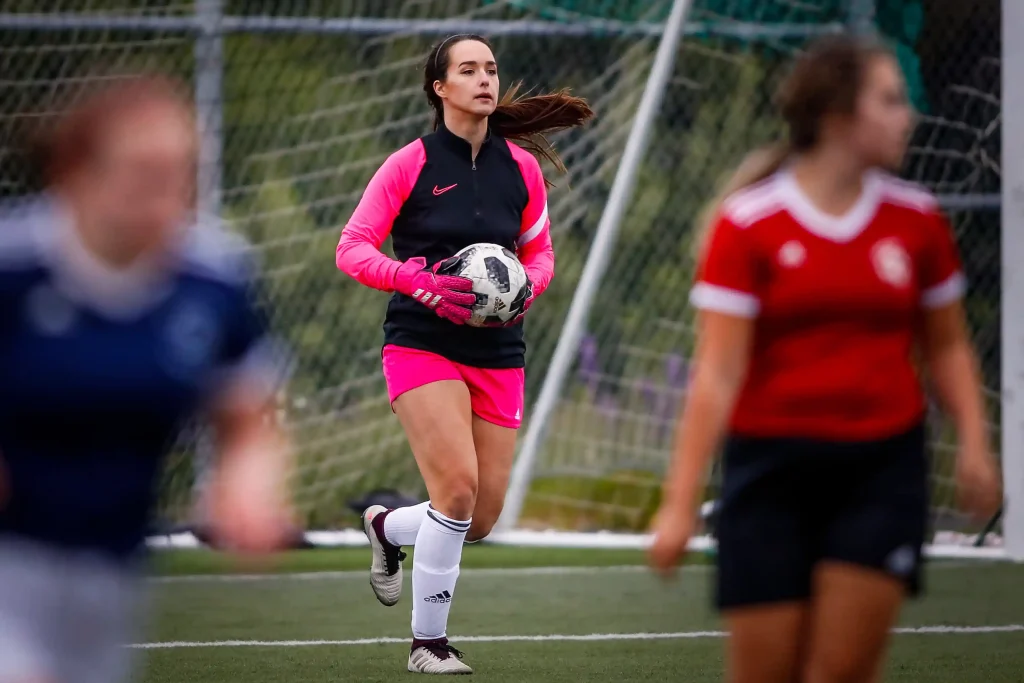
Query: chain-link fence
610, 435
301, 101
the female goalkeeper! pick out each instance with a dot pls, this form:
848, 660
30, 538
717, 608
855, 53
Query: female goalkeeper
821, 276
457, 390
118, 321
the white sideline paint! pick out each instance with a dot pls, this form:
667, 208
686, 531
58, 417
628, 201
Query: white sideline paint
958, 548
682, 635
360, 574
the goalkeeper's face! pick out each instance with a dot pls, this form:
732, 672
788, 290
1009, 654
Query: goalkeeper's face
471, 83
884, 119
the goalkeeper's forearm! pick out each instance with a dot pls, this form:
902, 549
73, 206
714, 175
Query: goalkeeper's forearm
360, 258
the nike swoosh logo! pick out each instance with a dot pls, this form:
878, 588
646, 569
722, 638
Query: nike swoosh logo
441, 191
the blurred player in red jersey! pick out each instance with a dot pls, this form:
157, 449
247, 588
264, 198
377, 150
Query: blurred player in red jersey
820, 277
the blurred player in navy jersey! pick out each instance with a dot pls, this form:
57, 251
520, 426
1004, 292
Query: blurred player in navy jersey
821, 277
119, 320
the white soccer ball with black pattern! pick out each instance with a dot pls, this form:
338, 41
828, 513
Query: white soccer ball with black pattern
499, 282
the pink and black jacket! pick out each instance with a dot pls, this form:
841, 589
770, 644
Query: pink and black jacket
433, 199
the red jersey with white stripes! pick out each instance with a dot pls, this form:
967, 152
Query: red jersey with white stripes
836, 301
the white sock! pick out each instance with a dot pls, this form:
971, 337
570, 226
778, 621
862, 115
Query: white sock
402, 525
435, 569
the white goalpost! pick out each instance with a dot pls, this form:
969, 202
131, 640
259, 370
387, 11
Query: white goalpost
1012, 254
596, 263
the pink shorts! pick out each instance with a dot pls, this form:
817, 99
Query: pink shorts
495, 394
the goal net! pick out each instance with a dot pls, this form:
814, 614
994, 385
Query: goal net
301, 102
610, 435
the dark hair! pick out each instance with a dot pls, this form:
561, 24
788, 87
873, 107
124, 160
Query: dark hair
525, 119
66, 141
826, 79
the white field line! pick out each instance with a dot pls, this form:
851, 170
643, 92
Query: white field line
682, 635
361, 574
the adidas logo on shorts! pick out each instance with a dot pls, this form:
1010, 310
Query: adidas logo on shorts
440, 597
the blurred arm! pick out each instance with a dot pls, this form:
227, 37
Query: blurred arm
246, 430
727, 296
721, 359
946, 348
953, 370
247, 500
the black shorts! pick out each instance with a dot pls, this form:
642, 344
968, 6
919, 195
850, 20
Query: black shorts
788, 504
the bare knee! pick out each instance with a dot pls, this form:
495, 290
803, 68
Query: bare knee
480, 529
853, 610
488, 509
437, 421
456, 497
844, 669
765, 643
838, 664
764, 669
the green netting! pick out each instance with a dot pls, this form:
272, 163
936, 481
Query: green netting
898, 21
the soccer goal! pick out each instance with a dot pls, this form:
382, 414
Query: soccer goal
601, 430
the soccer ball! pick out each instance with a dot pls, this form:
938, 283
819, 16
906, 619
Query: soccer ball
499, 282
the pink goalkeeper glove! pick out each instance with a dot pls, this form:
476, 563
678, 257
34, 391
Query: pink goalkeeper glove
447, 295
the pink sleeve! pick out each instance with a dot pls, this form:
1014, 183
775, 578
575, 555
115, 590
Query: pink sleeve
358, 253
534, 244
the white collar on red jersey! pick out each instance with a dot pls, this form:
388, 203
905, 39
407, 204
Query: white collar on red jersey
836, 228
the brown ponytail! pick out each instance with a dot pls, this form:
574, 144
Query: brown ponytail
825, 80
528, 120
524, 119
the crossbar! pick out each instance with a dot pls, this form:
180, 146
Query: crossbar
70, 21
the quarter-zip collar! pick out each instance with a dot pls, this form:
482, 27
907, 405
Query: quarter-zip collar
460, 145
